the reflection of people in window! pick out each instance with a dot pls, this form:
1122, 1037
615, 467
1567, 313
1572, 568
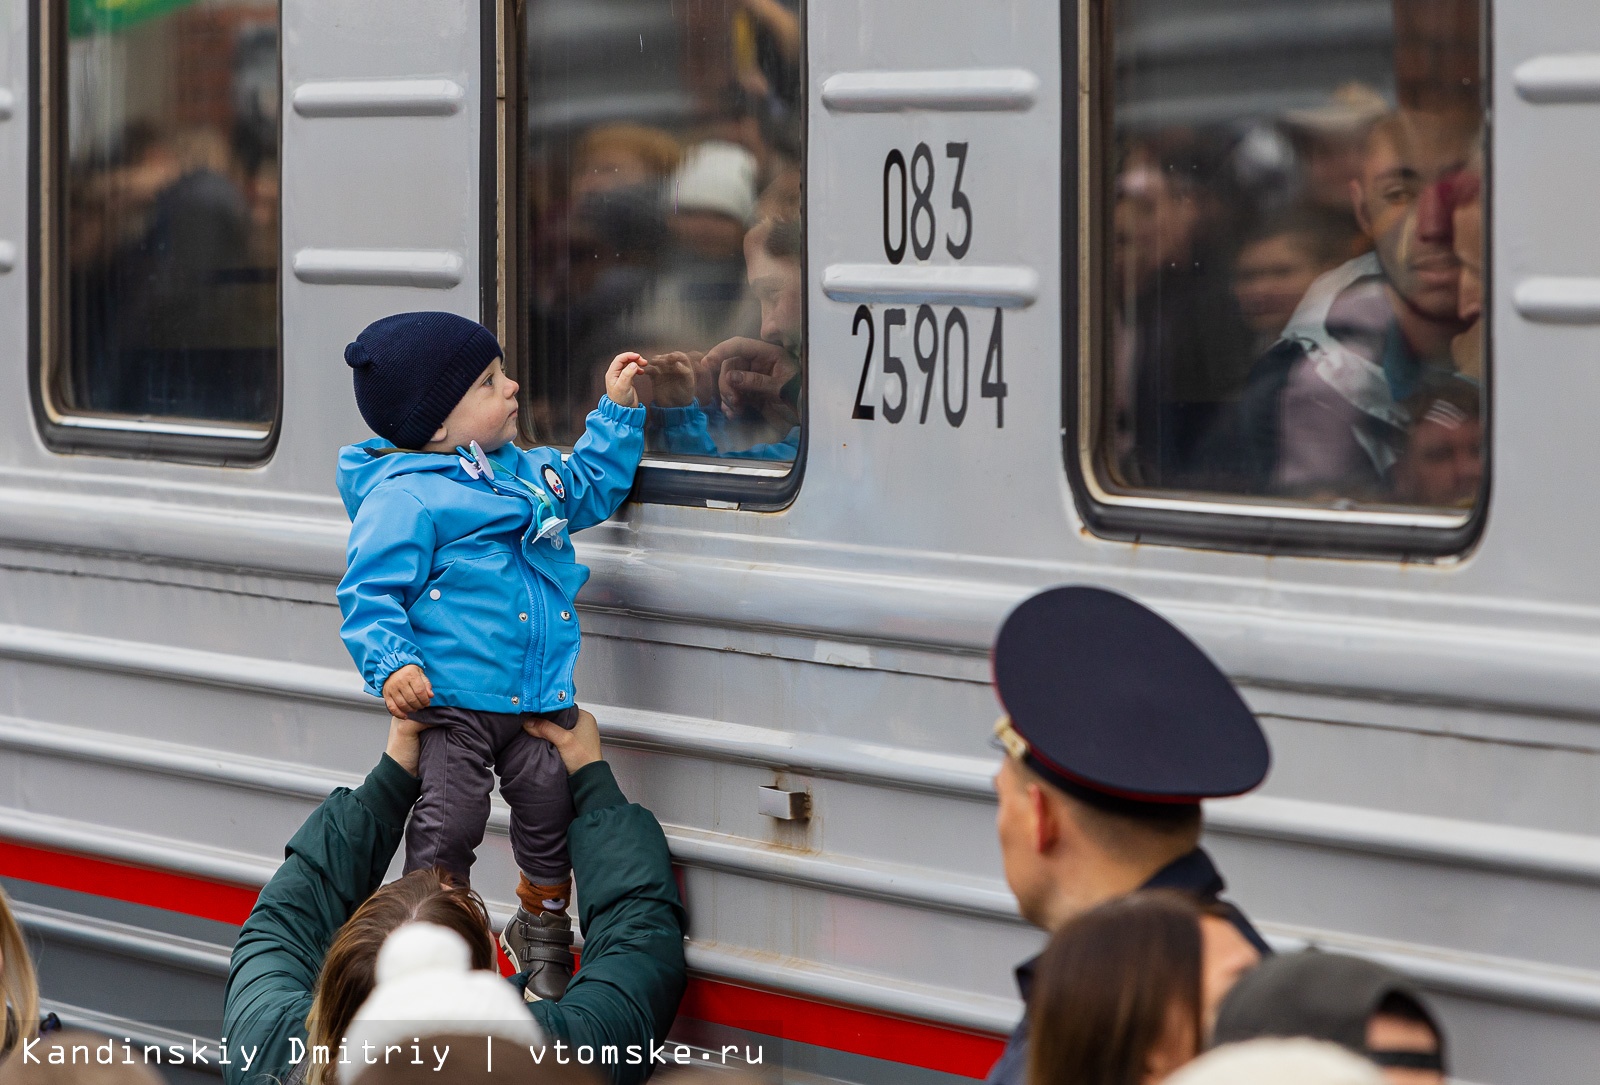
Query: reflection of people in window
1277, 263
1441, 461
1324, 414
1181, 350
742, 397
161, 247
1329, 142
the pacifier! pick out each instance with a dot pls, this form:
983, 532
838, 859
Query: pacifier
550, 524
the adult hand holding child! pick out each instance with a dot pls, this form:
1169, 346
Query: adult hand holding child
577, 747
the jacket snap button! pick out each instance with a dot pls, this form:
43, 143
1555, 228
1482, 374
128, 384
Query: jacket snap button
566, 615
562, 695
522, 617
516, 700
434, 594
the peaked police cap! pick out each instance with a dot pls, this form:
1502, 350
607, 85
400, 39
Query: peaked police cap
1110, 700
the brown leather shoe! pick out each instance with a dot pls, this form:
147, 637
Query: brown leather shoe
540, 945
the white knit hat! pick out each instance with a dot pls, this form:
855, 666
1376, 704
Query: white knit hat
427, 986
716, 176
1278, 1062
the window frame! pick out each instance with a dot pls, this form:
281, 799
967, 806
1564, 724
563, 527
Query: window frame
1200, 521
732, 484
62, 431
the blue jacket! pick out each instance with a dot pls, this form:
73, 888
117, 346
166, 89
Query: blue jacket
445, 570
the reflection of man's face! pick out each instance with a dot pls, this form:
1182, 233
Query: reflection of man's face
1269, 279
776, 282
1402, 201
1154, 225
1443, 462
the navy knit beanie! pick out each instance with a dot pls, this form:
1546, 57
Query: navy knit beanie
411, 369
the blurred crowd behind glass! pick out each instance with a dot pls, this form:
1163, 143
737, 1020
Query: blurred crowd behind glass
663, 198
170, 173
1295, 253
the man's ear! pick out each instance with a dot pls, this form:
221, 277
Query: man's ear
1358, 202
1046, 820
438, 435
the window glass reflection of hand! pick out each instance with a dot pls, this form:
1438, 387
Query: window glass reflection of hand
672, 379
752, 377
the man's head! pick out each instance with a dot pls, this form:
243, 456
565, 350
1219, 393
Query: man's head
1063, 855
1404, 202
772, 261
1117, 726
433, 381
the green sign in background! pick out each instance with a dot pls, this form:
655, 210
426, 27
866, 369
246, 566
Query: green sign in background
105, 16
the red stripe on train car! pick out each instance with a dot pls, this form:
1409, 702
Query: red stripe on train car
769, 1013
842, 1028
122, 881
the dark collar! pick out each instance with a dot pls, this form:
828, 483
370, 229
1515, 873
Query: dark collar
1193, 873
1024, 973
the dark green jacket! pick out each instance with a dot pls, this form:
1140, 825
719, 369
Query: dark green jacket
626, 993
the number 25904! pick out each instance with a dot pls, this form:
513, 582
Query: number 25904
930, 343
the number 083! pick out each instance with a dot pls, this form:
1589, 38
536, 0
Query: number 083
909, 219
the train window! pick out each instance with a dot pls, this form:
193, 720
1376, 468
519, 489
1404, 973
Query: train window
159, 193
1291, 243
663, 213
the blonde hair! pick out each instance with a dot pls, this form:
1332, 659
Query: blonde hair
19, 990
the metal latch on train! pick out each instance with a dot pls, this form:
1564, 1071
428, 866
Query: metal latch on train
775, 802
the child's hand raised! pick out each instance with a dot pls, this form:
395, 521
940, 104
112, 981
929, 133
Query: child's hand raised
407, 690
619, 379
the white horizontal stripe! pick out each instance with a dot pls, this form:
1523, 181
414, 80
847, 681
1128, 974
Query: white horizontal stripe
1513, 982
1555, 300
8, 256
752, 468
110, 938
1551, 80
924, 888
434, 269
166, 429
932, 284
138, 849
959, 90
379, 98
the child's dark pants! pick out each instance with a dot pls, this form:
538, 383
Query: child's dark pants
462, 752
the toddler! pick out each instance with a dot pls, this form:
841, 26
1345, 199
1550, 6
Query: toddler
458, 601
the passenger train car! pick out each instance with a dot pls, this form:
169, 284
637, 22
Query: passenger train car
1278, 315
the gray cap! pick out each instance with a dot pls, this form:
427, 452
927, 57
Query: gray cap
1324, 996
